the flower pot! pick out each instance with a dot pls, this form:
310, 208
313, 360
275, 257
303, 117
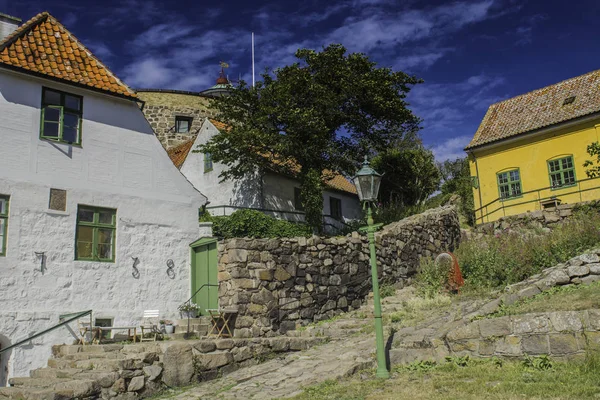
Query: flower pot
188, 314
169, 328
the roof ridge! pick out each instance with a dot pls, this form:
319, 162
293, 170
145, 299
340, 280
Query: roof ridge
543, 87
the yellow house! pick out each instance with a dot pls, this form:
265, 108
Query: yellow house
528, 152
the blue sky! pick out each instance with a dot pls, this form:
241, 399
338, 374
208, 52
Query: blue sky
470, 53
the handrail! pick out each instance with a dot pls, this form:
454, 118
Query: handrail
189, 302
499, 199
30, 338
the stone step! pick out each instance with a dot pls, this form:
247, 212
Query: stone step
200, 328
54, 372
88, 356
37, 382
29, 394
193, 321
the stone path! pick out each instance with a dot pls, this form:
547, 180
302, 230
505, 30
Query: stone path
287, 376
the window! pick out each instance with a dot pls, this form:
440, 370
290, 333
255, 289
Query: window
3, 223
61, 116
335, 208
183, 124
298, 200
95, 237
562, 172
509, 184
104, 323
208, 165
58, 200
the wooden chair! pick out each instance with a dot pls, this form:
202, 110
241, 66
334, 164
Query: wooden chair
220, 319
85, 326
150, 325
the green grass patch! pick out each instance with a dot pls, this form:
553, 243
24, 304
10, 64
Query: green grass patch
469, 379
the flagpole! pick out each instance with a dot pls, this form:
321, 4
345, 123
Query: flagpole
252, 59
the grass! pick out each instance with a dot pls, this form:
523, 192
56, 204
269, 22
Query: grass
558, 298
417, 309
469, 380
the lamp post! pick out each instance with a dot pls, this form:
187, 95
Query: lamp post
367, 182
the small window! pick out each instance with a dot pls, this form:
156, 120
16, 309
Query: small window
335, 207
95, 236
61, 116
509, 184
183, 124
298, 200
103, 323
208, 164
562, 172
58, 200
3, 223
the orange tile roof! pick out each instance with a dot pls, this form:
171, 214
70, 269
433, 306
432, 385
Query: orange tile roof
44, 46
337, 182
178, 154
540, 108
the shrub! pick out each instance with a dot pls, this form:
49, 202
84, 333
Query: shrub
252, 223
493, 261
431, 278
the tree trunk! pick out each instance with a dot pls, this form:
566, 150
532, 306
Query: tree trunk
311, 193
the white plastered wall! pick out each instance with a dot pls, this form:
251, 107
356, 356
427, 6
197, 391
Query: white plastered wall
119, 165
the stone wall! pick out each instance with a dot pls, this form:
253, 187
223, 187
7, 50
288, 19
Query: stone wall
278, 284
559, 334
541, 219
162, 107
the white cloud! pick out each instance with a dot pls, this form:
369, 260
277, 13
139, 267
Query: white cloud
450, 149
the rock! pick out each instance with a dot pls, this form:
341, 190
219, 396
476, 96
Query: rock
566, 321
531, 323
559, 277
528, 292
205, 346
535, 344
264, 274
150, 357
136, 384
594, 268
589, 258
495, 327
509, 346
178, 365
561, 344
590, 279
119, 386
107, 380
279, 344
237, 255
577, 271
469, 331
214, 360
281, 274
153, 372
263, 297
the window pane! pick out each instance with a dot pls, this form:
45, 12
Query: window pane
51, 97
50, 129
503, 178
52, 114
105, 238
514, 175
554, 166
72, 102
556, 180
569, 177
106, 217
85, 241
71, 120
2, 227
183, 126
70, 134
85, 215
3, 205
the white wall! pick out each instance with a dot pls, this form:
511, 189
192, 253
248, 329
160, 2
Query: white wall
120, 165
272, 192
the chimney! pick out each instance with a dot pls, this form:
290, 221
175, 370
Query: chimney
7, 25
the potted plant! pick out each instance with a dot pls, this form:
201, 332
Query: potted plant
188, 310
169, 328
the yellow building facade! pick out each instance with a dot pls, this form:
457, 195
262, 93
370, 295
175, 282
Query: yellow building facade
529, 151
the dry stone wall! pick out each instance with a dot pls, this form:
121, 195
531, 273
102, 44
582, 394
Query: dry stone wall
280, 284
542, 219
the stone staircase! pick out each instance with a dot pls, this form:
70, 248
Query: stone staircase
199, 327
92, 372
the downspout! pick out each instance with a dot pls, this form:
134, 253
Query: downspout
478, 185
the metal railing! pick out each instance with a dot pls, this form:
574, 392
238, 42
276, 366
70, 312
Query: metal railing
76, 316
536, 196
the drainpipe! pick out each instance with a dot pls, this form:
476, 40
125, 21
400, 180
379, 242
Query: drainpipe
470, 154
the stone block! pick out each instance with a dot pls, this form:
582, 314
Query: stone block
469, 345
281, 274
136, 384
469, 331
508, 346
531, 323
589, 258
256, 309
593, 340
535, 344
214, 360
594, 268
576, 271
153, 372
586, 280
487, 347
178, 365
563, 343
262, 297
495, 327
593, 318
237, 255
570, 321
224, 344
244, 283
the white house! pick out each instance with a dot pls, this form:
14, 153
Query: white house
271, 193
93, 213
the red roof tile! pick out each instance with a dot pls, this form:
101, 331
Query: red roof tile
178, 154
44, 46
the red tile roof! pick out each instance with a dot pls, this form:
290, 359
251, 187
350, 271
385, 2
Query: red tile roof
44, 46
540, 108
178, 154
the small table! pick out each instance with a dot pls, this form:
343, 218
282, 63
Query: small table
220, 322
112, 328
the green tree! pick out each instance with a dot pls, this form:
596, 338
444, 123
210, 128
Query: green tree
410, 175
593, 150
456, 176
313, 117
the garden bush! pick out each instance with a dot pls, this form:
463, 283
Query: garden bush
255, 224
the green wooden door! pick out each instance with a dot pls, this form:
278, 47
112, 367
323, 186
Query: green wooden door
204, 271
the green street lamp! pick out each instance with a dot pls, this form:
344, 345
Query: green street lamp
367, 182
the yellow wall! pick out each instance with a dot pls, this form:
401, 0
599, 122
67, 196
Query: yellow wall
530, 154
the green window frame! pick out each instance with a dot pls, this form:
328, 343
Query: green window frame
61, 116
95, 236
4, 203
335, 208
561, 172
208, 164
183, 124
509, 184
